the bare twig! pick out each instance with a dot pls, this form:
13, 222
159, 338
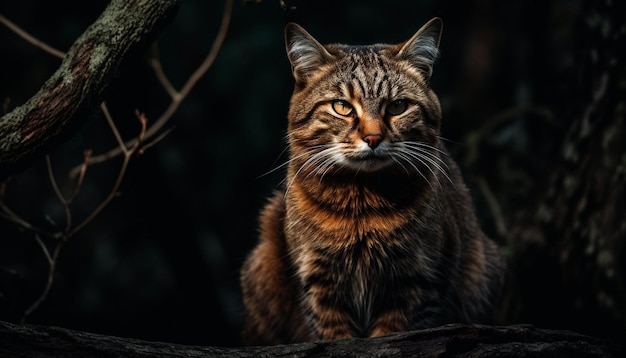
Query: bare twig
11, 216
31, 39
64, 202
177, 96
127, 149
494, 207
81, 176
155, 62
155, 140
128, 154
477, 136
111, 123
81, 80
68, 231
52, 262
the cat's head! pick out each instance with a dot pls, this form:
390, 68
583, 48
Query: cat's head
364, 108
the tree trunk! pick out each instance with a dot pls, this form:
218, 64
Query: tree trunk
70, 96
574, 235
451, 340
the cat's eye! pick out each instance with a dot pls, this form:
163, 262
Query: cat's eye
342, 107
397, 107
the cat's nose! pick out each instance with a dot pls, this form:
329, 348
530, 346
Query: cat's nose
373, 140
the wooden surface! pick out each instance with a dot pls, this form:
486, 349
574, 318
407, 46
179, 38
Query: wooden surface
449, 341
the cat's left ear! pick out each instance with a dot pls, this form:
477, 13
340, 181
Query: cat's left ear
423, 48
305, 53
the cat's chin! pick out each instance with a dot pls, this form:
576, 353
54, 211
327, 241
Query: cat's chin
368, 165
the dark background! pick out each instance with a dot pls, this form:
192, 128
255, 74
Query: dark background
162, 261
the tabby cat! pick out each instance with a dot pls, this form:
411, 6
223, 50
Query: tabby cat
374, 231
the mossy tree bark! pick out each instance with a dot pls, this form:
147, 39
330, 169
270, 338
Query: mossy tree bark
70, 96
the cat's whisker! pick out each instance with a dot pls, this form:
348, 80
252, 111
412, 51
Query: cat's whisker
285, 139
327, 165
425, 160
277, 167
400, 164
427, 148
432, 158
318, 160
407, 157
286, 162
312, 161
429, 157
288, 186
447, 140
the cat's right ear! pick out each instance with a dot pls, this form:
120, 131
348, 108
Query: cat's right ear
423, 48
305, 53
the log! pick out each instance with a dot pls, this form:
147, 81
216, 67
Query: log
73, 92
455, 340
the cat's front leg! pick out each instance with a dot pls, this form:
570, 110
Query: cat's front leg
395, 314
326, 318
331, 324
389, 322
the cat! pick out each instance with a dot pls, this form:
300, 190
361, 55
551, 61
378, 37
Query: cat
374, 231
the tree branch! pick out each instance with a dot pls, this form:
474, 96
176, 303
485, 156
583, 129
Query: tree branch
72, 93
177, 97
451, 341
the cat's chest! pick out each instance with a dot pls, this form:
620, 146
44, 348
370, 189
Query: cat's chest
348, 215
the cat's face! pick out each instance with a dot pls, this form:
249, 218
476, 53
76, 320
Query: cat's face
364, 108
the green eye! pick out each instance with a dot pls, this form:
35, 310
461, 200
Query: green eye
397, 107
342, 108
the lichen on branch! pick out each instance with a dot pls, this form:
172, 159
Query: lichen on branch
74, 91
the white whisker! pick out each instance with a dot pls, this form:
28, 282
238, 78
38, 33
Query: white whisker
425, 148
320, 161
425, 152
326, 166
433, 163
400, 164
285, 139
407, 156
277, 167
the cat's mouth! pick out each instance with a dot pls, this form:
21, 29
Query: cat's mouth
369, 161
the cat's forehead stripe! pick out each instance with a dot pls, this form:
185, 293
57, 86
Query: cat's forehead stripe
347, 90
369, 75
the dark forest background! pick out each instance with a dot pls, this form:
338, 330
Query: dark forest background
162, 261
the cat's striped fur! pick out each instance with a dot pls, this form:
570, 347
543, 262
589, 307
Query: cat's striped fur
374, 231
